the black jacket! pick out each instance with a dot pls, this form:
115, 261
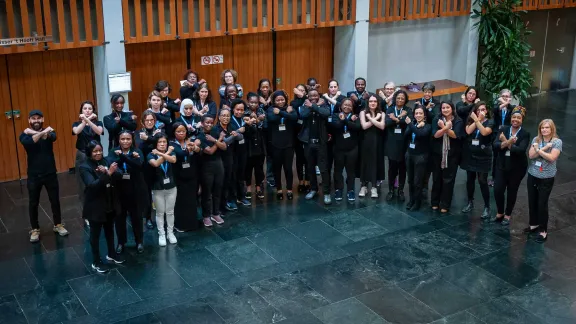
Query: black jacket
281, 139
340, 127
188, 92
361, 104
497, 115
114, 128
316, 114
463, 110
517, 158
421, 139
101, 195
172, 106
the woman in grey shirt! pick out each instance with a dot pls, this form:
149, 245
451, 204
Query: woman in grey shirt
544, 152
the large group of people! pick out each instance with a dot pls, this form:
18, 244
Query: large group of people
190, 154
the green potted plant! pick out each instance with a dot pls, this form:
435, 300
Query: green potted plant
503, 48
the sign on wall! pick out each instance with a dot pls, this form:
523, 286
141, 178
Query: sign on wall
212, 59
119, 82
25, 40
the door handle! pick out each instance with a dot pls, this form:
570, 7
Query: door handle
561, 49
8, 114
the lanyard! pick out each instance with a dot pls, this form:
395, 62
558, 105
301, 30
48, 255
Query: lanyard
346, 127
157, 124
510, 136
504, 111
125, 167
413, 137
185, 122
424, 101
164, 167
282, 120
477, 133
331, 109
237, 123
396, 111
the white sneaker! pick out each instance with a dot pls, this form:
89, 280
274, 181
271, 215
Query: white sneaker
317, 170
363, 192
172, 238
374, 193
162, 240
60, 230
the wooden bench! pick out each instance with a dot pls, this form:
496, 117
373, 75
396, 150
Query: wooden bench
443, 87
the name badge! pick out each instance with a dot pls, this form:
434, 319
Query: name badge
346, 135
329, 119
475, 142
166, 180
507, 153
241, 142
126, 176
300, 121
397, 131
538, 163
412, 145
107, 185
185, 165
282, 127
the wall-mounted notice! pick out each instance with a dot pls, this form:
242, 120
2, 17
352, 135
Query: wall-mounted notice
212, 59
25, 40
119, 82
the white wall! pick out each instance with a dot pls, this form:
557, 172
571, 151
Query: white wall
344, 56
418, 50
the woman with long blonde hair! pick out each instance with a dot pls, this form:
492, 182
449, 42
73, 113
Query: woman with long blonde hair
543, 154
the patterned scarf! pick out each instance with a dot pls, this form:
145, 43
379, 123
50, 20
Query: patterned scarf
445, 150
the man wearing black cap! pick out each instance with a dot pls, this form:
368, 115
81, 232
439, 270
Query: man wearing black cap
38, 143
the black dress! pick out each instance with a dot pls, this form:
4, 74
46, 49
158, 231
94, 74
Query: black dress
477, 150
186, 176
371, 143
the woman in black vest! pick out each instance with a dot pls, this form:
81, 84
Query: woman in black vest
418, 137
101, 205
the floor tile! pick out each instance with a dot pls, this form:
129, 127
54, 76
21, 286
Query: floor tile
16, 277
100, 292
191, 312
77, 236
349, 311
51, 304
354, 226
459, 318
509, 269
541, 257
10, 311
195, 240
476, 238
143, 319
396, 306
282, 245
17, 245
241, 255
152, 279
563, 241
306, 318
387, 217
195, 267
319, 235
545, 303
57, 267
503, 311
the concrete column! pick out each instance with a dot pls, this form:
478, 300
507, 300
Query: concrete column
473, 40
351, 49
109, 59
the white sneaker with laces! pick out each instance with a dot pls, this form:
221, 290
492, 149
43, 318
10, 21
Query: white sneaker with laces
60, 230
374, 193
172, 238
162, 240
363, 192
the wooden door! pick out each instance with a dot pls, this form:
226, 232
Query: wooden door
253, 59
302, 54
56, 82
8, 140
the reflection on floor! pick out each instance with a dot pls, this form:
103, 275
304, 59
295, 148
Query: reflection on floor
300, 262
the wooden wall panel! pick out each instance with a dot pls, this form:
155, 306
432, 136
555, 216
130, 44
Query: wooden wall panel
252, 59
302, 54
212, 46
8, 146
150, 63
55, 82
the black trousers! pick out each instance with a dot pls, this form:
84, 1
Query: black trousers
539, 191
95, 229
129, 208
238, 174
345, 159
329, 157
228, 180
301, 168
282, 158
317, 155
443, 181
35, 184
396, 168
507, 182
471, 186
212, 180
417, 166
255, 164
269, 159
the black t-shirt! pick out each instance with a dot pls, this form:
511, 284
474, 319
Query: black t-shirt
204, 143
40, 154
477, 142
87, 135
163, 175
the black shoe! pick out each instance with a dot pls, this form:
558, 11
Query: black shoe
100, 267
391, 194
118, 259
272, 183
497, 219
149, 224
338, 195
540, 238
401, 195
468, 207
410, 204
279, 195
289, 195
260, 194
505, 221
119, 249
301, 188
529, 230
248, 195
140, 248
485, 213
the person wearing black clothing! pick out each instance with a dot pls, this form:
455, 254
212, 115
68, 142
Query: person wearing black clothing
477, 155
265, 100
38, 143
146, 143
131, 189
282, 120
189, 85
155, 105
345, 134
230, 94
256, 146
464, 107
173, 105
418, 136
333, 99
102, 204
186, 175
360, 96
396, 143
301, 168
387, 95
502, 112
203, 103
372, 121
223, 127
212, 179
238, 127
229, 77
511, 164
448, 133
187, 117
431, 107
87, 129
118, 121
314, 134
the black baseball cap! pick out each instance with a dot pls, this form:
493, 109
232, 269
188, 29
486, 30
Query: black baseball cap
35, 112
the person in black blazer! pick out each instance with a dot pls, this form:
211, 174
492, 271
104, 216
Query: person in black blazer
132, 188
464, 107
333, 99
173, 105
301, 168
102, 204
501, 112
256, 146
511, 145
360, 96
432, 109
230, 94
387, 95
191, 122
396, 143
189, 85
203, 102
418, 137
239, 127
118, 121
